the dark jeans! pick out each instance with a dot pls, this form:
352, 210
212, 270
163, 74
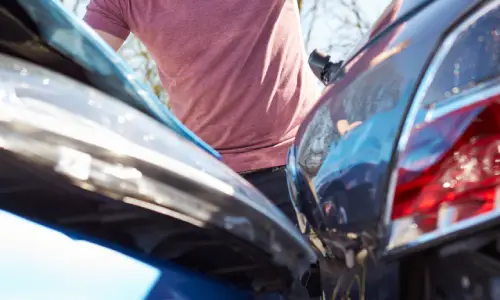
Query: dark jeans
272, 183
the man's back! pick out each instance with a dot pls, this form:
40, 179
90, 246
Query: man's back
234, 70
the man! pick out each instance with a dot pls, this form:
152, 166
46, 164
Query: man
234, 70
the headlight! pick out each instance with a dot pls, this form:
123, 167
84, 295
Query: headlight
447, 176
103, 145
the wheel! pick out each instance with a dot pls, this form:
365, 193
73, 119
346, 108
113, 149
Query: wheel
461, 270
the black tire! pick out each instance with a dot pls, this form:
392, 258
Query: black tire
412, 279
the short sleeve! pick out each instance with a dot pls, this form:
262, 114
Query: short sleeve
107, 16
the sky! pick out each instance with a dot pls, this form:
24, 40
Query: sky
373, 8
324, 31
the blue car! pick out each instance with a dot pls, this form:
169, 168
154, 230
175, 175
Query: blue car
396, 170
105, 195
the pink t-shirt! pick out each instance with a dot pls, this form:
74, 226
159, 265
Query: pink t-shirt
235, 70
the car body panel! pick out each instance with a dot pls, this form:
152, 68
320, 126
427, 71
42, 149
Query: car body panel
396, 12
44, 263
341, 180
169, 175
84, 98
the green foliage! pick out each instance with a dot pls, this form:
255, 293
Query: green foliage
139, 58
133, 52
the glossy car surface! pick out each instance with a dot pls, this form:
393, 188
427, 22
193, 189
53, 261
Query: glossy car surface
43, 263
87, 152
339, 179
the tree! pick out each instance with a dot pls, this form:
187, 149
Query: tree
139, 58
132, 51
335, 26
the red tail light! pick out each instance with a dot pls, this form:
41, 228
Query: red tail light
447, 172
452, 163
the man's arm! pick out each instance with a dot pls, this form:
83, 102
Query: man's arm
109, 20
113, 41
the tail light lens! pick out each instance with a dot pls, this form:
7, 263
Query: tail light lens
448, 168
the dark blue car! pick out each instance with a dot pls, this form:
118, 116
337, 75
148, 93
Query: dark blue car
105, 195
396, 170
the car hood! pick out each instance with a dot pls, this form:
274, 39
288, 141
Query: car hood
93, 145
51, 43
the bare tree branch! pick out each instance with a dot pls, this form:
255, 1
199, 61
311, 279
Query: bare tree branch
75, 6
354, 8
140, 59
135, 54
314, 12
341, 24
